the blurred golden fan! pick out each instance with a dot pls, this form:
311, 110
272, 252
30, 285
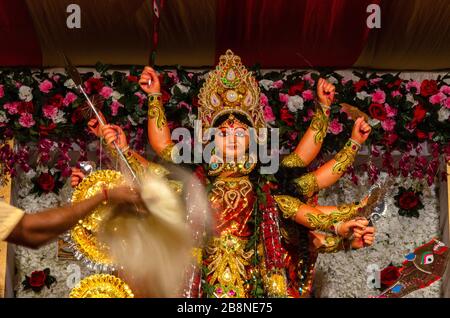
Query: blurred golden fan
353, 112
101, 286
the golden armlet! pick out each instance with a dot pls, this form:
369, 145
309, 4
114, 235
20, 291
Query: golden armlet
322, 222
156, 111
166, 153
293, 160
288, 205
319, 124
346, 212
346, 156
334, 244
307, 184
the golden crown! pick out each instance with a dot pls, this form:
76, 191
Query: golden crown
230, 88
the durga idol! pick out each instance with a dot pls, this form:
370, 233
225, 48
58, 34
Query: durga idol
265, 240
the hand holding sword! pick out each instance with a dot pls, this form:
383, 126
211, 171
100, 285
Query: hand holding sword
76, 77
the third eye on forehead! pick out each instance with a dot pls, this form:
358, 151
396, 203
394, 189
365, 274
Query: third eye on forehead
238, 132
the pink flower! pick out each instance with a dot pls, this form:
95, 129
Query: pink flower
278, 84
106, 92
379, 97
390, 111
284, 98
115, 105
335, 127
447, 103
388, 124
308, 95
12, 108
268, 114
413, 84
50, 111
309, 115
26, 120
396, 93
264, 100
438, 98
185, 105
55, 78
141, 98
45, 86
444, 89
309, 79
190, 75
69, 99
174, 77
375, 81
2, 91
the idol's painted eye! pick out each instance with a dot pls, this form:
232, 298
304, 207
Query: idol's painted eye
427, 258
240, 132
224, 132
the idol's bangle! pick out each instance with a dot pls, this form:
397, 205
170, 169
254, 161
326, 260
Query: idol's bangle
346, 156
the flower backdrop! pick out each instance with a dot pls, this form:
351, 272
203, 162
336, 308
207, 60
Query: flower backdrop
44, 114
42, 111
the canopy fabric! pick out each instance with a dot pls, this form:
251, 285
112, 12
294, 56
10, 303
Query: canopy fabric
414, 34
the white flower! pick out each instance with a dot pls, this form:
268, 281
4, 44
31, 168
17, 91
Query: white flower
3, 118
183, 89
116, 96
295, 103
131, 120
59, 118
373, 122
69, 83
25, 93
410, 98
267, 84
362, 95
443, 114
42, 169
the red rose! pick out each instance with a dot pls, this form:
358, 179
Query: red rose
397, 83
46, 182
93, 85
428, 88
296, 89
56, 101
77, 115
45, 130
408, 200
390, 138
359, 85
378, 111
389, 276
132, 78
421, 134
286, 116
25, 107
419, 113
195, 101
37, 279
165, 96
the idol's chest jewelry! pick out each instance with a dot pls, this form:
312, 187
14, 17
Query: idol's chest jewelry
231, 192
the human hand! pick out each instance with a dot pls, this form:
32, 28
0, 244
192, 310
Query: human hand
76, 177
364, 239
114, 134
356, 227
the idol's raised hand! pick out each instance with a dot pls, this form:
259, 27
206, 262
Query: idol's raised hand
325, 92
76, 177
149, 81
111, 133
361, 130
363, 239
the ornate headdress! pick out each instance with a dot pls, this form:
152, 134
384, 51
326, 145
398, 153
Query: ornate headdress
230, 88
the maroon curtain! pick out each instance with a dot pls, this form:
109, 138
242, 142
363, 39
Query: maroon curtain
297, 33
20, 45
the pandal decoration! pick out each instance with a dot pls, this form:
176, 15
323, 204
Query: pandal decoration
101, 286
81, 238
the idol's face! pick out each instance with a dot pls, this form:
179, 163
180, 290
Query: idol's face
232, 140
